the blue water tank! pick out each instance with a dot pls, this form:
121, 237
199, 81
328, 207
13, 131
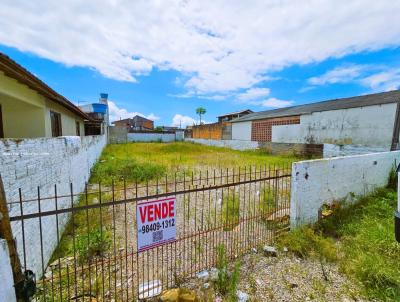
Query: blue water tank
99, 108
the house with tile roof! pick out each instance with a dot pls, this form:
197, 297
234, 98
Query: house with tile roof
29, 108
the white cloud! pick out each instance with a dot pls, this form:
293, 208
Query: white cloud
257, 97
341, 74
180, 120
376, 77
253, 94
219, 47
276, 103
117, 113
383, 81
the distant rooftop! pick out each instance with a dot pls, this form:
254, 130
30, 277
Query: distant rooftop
135, 118
335, 104
236, 112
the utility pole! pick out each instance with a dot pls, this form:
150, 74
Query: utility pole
6, 233
397, 213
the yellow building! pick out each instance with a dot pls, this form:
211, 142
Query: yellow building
29, 108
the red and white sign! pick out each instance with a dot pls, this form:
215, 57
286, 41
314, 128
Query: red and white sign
156, 223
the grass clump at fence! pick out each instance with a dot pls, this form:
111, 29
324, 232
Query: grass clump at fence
268, 200
226, 283
366, 248
230, 212
308, 242
85, 233
93, 244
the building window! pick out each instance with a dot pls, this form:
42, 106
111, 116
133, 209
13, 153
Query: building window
56, 129
78, 128
1, 124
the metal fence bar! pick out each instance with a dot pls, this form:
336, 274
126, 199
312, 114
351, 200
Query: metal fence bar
96, 231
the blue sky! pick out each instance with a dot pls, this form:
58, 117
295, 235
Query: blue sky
165, 60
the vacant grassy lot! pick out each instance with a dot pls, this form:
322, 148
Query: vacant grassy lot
100, 242
146, 161
360, 239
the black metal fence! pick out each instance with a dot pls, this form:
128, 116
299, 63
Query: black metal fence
85, 245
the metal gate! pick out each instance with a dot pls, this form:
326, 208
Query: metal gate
84, 245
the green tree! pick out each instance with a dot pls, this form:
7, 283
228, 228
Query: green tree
201, 111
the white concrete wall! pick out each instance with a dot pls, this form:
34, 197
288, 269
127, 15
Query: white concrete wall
368, 126
288, 133
7, 292
42, 163
233, 144
154, 137
316, 182
347, 150
180, 135
241, 131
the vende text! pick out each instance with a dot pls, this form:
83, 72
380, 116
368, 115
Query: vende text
154, 212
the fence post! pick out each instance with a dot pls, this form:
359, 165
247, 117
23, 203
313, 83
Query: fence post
6, 233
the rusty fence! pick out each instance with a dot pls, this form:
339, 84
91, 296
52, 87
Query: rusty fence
84, 246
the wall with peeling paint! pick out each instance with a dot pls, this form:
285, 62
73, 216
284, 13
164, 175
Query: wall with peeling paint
316, 182
36, 166
366, 126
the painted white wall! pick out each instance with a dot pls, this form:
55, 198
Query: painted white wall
367, 126
180, 135
41, 163
288, 133
316, 182
241, 131
153, 137
7, 292
347, 150
233, 144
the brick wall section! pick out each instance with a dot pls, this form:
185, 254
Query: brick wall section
261, 130
148, 124
41, 163
208, 131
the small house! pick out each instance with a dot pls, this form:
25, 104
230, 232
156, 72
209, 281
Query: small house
29, 108
137, 123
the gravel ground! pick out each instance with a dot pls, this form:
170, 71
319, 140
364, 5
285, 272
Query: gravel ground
285, 278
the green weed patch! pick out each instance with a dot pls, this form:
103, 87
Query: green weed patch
365, 249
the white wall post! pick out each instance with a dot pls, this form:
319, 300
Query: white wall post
339, 179
7, 292
397, 214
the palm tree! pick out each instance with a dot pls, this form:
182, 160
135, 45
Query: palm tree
200, 111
